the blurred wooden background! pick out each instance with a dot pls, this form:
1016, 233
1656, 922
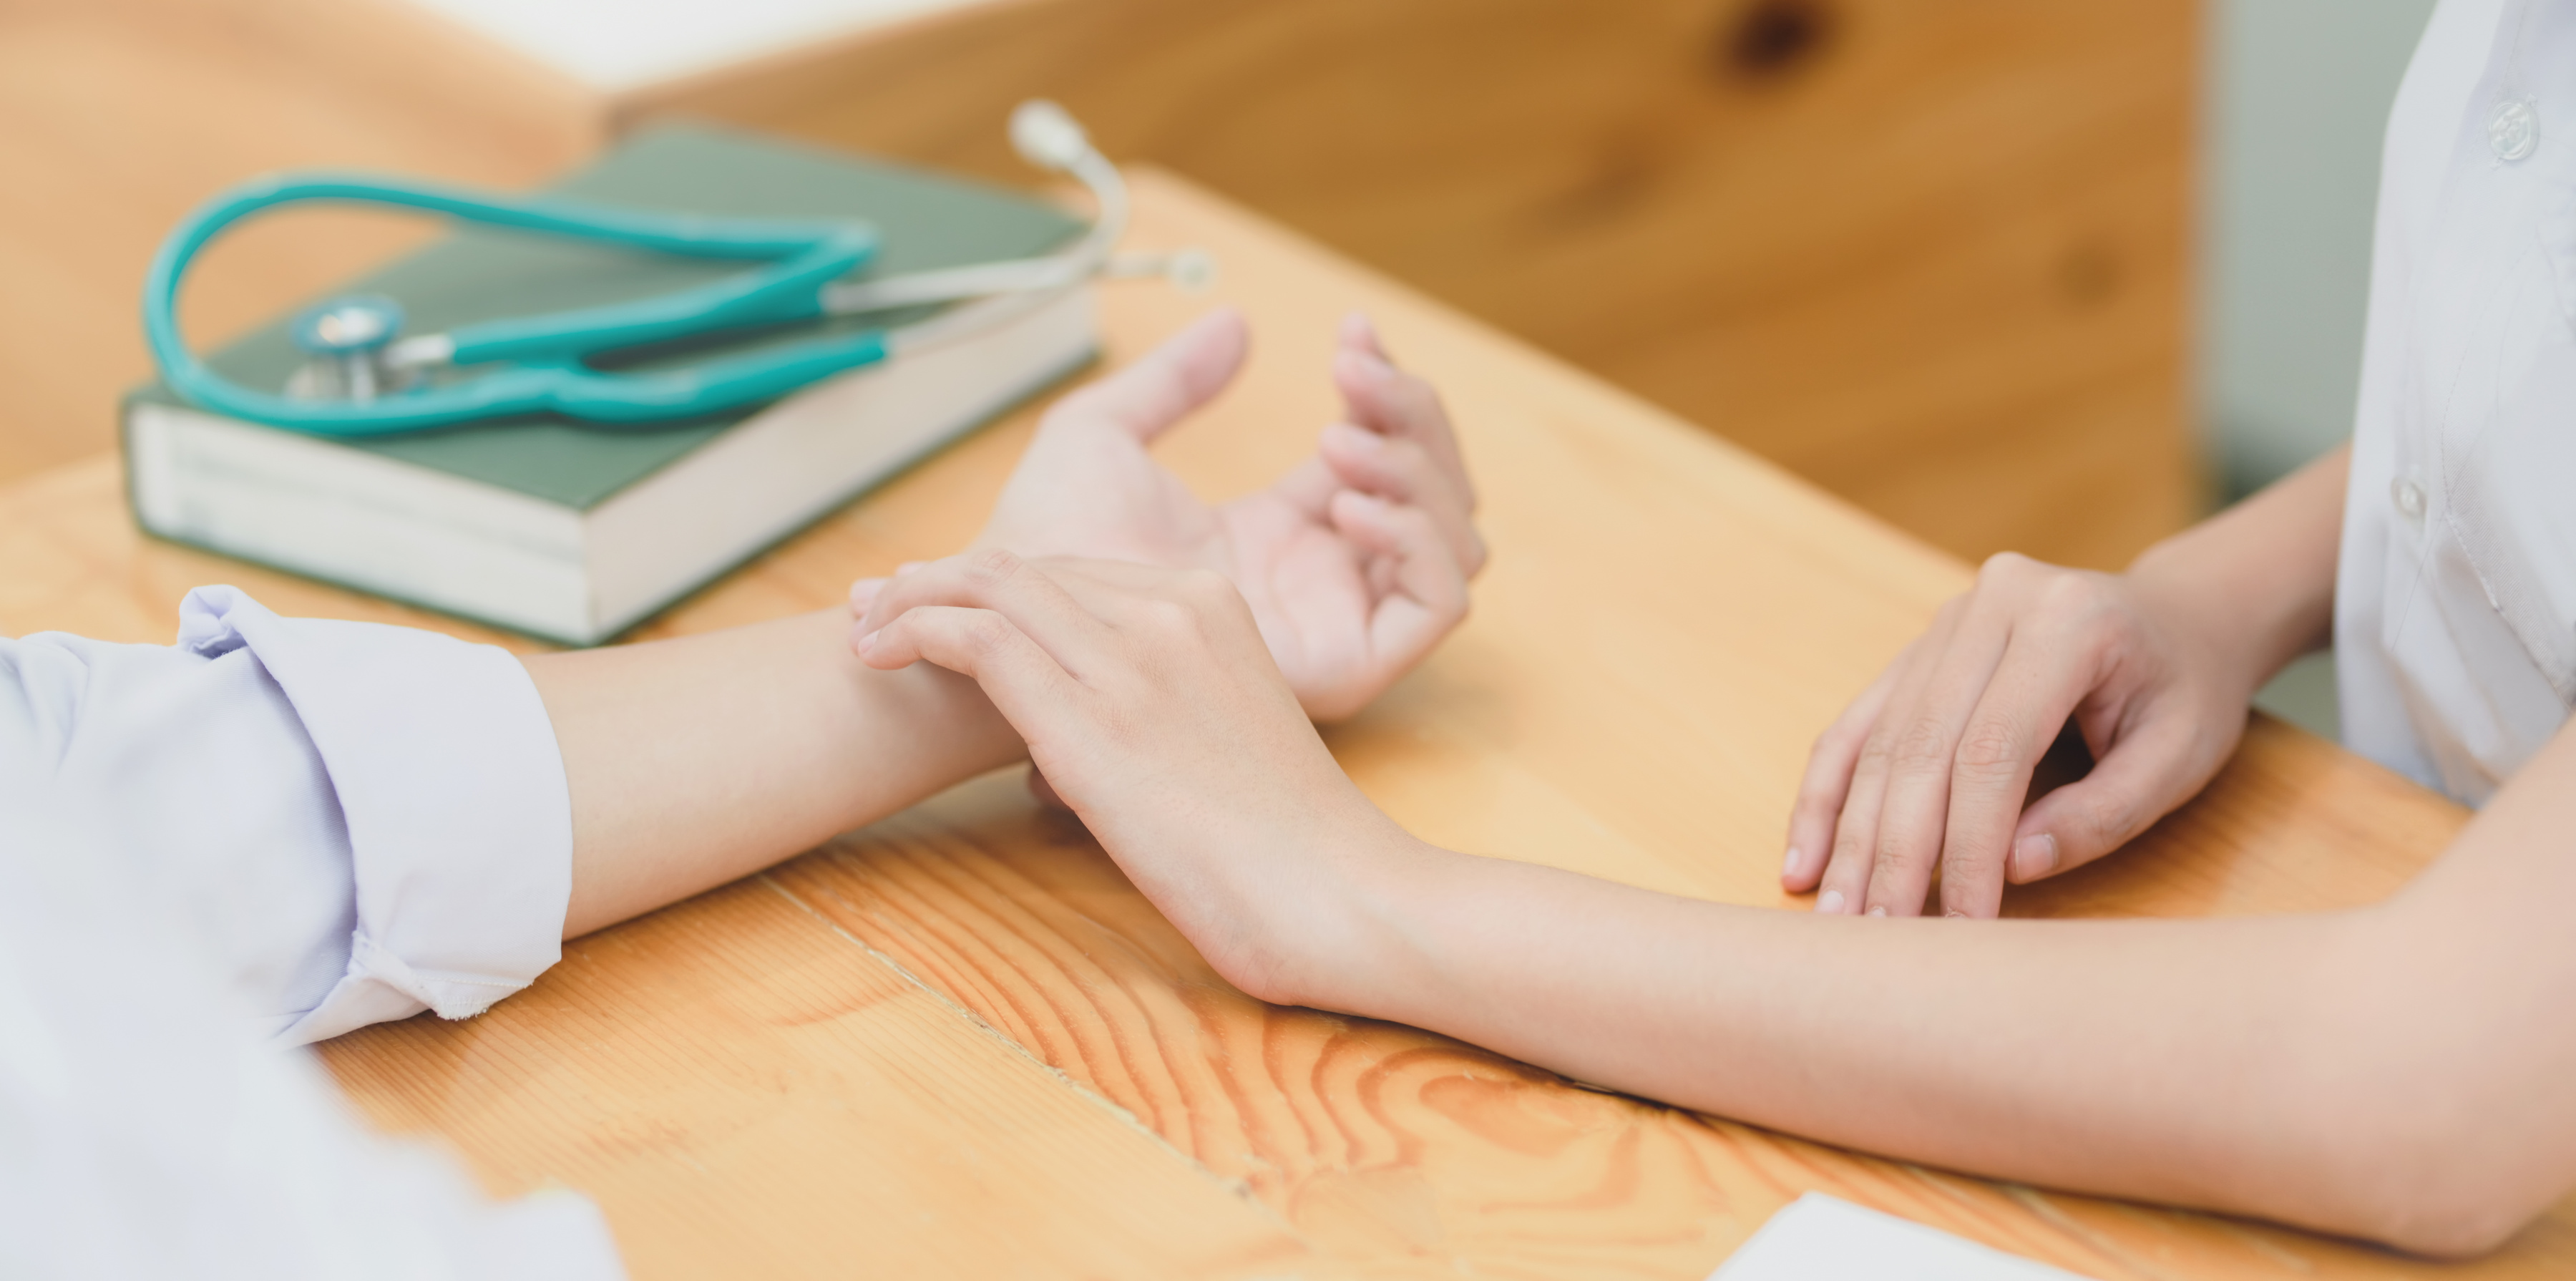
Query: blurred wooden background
1930, 255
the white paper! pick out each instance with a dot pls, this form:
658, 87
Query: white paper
1822, 1238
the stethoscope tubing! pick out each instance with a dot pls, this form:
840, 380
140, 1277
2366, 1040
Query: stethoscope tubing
550, 378
539, 358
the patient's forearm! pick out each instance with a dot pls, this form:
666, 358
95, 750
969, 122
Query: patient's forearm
696, 761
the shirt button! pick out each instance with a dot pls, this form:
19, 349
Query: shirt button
2409, 498
2513, 129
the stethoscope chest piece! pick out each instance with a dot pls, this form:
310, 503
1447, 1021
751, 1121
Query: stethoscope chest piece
344, 342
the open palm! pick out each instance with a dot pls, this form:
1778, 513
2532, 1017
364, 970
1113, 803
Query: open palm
1355, 563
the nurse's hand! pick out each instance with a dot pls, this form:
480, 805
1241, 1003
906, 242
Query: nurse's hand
1146, 696
1354, 564
1929, 766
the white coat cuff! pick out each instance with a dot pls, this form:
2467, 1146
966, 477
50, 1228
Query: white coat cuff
448, 776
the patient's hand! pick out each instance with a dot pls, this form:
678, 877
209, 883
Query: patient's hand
1145, 695
1355, 563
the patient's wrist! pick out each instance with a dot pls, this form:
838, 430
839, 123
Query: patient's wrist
958, 732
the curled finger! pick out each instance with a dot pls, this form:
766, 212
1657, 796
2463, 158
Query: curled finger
1359, 333
1429, 590
1394, 403
1402, 471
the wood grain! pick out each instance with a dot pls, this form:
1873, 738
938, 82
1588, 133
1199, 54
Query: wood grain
774, 1105
1667, 621
1929, 256
1380, 1142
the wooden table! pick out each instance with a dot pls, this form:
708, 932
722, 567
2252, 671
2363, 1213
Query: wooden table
959, 1044
1727, 206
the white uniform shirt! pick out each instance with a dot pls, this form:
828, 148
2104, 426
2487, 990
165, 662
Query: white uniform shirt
275, 831
2455, 604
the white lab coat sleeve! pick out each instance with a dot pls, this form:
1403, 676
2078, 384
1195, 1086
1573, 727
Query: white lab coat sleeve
359, 821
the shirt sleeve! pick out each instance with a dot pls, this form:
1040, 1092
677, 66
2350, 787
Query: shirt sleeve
360, 821
183, 827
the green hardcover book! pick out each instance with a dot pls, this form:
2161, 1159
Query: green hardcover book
575, 533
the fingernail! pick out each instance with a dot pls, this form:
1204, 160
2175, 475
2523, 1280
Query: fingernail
1955, 914
1878, 911
2034, 857
909, 566
1830, 902
868, 641
1790, 864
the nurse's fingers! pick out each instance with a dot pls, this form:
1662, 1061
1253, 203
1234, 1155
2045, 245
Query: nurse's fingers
1923, 749
1828, 781
863, 592
1000, 581
1031, 690
1147, 397
2046, 671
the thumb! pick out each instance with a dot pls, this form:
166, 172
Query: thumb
2137, 782
1147, 397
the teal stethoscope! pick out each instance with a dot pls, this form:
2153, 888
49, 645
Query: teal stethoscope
363, 377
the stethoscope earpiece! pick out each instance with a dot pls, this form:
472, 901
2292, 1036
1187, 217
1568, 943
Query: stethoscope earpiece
1047, 136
